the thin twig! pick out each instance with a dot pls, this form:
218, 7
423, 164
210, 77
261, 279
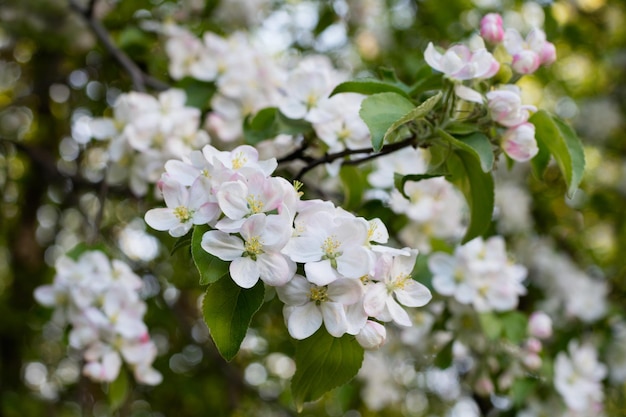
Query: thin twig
386, 149
139, 78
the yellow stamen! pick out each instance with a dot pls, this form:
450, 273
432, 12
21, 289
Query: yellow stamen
255, 204
319, 294
182, 213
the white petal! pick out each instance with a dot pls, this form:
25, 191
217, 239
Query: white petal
222, 245
433, 57
148, 375
295, 292
245, 272
375, 299
46, 295
372, 336
275, 268
413, 294
161, 219
354, 262
345, 291
335, 318
398, 314
232, 198
467, 93
320, 273
303, 321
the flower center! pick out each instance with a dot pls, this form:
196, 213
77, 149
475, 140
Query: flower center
239, 160
182, 213
319, 294
255, 204
398, 283
253, 247
330, 248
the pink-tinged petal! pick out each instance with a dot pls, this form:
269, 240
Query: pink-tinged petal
200, 193
433, 57
303, 321
224, 246
413, 294
519, 143
277, 231
547, 55
513, 41
398, 314
229, 225
345, 291
174, 194
335, 318
295, 292
162, 219
206, 214
320, 273
525, 62
467, 93
372, 335
275, 269
245, 272
375, 299
253, 226
232, 198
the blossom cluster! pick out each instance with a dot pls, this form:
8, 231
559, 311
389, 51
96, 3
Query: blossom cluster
350, 280
462, 63
100, 300
143, 133
249, 77
479, 273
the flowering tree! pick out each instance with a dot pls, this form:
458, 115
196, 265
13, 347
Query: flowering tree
305, 216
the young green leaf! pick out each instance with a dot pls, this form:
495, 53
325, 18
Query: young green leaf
491, 325
399, 180
380, 111
181, 242
227, 310
211, 268
561, 141
269, 123
466, 172
118, 391
444, 358
324, 362
515, 325
368, 86
415, 114
476, 144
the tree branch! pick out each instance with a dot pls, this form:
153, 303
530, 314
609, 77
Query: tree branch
139, 78
330, 157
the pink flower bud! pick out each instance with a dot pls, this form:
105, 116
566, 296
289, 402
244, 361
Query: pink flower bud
532, 361
506, 107
484, 386
519, 142
533, 345
540, 325
491, 28
548, 53
525, 62
372, 335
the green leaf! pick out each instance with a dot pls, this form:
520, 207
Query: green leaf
416, 114
562, 142
399, 180
118, 391
324, 362
491, 325
380, 111
211, 268
515, 325
477, 144
460, 128
198, 92
269, 123
464, 165
353, 181
227, 310
521, 389
368, 86
181, 242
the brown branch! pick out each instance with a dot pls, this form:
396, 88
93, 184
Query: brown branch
330, 157
139, 78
